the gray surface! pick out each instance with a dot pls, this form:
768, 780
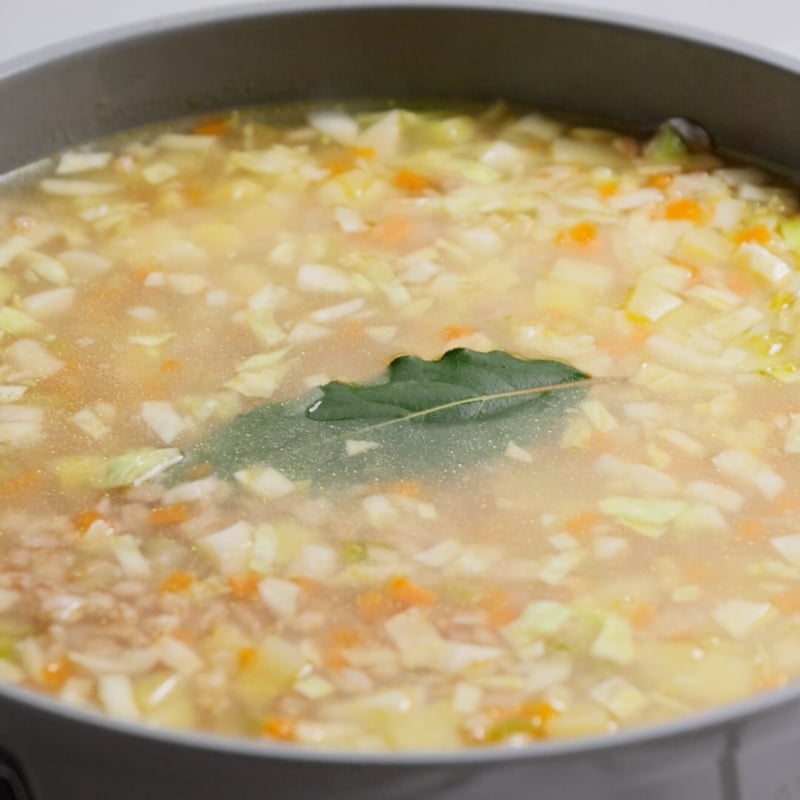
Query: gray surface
27, 25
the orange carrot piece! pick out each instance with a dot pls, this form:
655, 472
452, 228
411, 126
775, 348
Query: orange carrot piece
752, 530
583, 233
308, 585
216, 126
661, 180
244, 584
280, 727
582, 522
335, 659
641, 615
85, 519
788, 601
410, 181
405, 488
339, 166
169, 365
186, 635
19, 483
162, 516
498, 607
608, 189
194, 195
684, 208
760, 234
407, 593
363, 151
375, 606
345, 637
56, 673
245, 656
178, 581
452, 332
392, 230
740, 283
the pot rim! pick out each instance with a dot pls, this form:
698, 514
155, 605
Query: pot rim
703, 723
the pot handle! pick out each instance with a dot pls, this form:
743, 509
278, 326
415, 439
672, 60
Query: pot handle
12, 786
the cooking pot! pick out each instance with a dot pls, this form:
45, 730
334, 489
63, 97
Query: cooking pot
536, 55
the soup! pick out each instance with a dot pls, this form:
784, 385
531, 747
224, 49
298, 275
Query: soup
398, 430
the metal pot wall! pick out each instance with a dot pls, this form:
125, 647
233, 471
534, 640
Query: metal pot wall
539, 56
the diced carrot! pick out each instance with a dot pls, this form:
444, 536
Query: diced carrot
243, 585
392, 230
345, 637
760, 234
169, 365
498, 608
661, 180
200, 470
788, 601
339, 166
583, 233
19, 483
452, 332
408, 593
364, 152
684, 208
178, 581
788, 502
162, 516
641, 614
410, 181
216, 126
528, 718
194, 194
186, 635
406, 488
375, 606
280, 727
308, 585
582, 522
608, 188
85, 519
740, 283
141, 271
752, 530
56, 673
245, 656
335, 658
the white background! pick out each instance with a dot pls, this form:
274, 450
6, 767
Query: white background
29, 24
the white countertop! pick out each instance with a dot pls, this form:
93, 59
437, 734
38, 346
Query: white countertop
31, 24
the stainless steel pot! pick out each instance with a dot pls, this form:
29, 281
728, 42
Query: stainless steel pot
537, 55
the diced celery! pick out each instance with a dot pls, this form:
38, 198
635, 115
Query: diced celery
17, 322
137, 466
645, 515
615, 641
230, 547
580, 719
620, 697
790, 230
703, 247
271, 671
423, 727
539, 618
738, 617
667, 145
